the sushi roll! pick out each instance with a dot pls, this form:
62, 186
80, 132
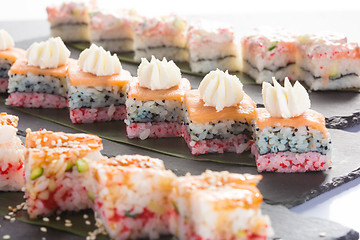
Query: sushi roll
218, 115
289, 137
8, 55
218, 205
161, 37
329, 62
270, 53
212, 47
56, 171
113, 30
154, 100
39, 80
97, 87
12, 153
70, 21
131, 196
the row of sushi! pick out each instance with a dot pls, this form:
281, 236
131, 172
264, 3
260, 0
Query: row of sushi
322, 61
218, 117
134, 196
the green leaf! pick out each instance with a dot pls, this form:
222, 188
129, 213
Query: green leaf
128, 214
273, 45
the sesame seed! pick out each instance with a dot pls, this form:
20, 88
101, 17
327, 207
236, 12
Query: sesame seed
322, 234
43, 238
45, 219
57, 218
67, 221
12, 220
87, 222
68, 224
7, 217
6, 237
86, 216
43, 229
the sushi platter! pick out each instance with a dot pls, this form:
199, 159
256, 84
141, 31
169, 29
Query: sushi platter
125, 126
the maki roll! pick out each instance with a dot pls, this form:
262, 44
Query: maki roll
161, 37
12, 153
131, 196
270, 53
218, 205
289, 137
113, 30
56, 171
97, 87
39, 80
218, 115
8, 55
329, 62
154, 100
212, 47
70, 21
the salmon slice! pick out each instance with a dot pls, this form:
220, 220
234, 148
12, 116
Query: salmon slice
21, 67
199, 113
145, 94
309, 118
59, 139
6, 119
12, 54
78, 77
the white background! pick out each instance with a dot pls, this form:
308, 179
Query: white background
342, 204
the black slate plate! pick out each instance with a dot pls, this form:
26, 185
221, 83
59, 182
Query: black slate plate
286, 189
286, 225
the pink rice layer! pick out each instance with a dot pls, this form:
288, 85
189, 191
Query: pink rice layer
3, 84
146, 224
238, 144
153, 130
9, 174
104, 114
288, 162
36, 100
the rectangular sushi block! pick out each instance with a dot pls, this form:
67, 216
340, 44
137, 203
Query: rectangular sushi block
270, 53
96, 98
155, 113
7, 58
113, 30
57, 171
207, 131
70, 21
12, 153
329, 62
131, 196
161, 37
298, 144
212, 47
33, 87
217, 205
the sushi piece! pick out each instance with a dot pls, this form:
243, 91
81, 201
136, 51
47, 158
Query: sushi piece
154, 100
161, 37
329, 62
57, 169
70, 21
218, 115
270, 53
212, 47
39, 80
289, 137
12, 153
131, 196
113, 30
8, 55
218, 205
97, 87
